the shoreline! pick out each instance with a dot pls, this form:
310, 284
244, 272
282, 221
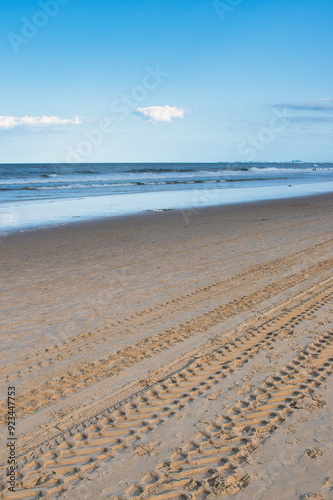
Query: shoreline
186, 213
33, 214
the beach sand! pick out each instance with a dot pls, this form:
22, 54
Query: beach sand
159, 357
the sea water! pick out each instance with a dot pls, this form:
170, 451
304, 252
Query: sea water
35, 195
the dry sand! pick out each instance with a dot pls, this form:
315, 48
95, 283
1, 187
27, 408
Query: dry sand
158, 359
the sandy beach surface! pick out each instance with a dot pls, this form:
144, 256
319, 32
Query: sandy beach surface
169, 357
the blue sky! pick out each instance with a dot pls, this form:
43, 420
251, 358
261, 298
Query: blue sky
166, 80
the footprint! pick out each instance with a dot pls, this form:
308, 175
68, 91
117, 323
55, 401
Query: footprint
314, 453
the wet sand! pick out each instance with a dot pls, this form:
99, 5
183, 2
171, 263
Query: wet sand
157, 356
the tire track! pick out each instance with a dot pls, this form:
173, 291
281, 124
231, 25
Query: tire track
172, 368
88, 373
82, 342
211, 462
67, 460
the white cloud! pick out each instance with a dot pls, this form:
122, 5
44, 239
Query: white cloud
9, 122
161, 113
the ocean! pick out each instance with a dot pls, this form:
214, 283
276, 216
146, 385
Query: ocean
33, 195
